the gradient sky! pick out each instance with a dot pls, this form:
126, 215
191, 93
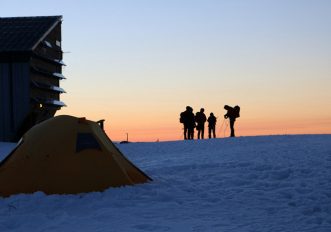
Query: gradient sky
137, 64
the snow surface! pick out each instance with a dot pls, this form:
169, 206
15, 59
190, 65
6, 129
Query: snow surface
266, 183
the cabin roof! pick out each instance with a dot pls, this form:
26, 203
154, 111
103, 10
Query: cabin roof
19, 34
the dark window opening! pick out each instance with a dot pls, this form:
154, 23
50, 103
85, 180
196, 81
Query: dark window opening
86, 141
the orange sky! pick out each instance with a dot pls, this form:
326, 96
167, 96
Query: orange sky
138, 64
168, 128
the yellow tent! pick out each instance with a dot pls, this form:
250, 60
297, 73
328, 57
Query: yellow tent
66, 155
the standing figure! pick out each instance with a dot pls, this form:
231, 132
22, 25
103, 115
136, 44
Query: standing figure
200, 118
211, 125
187, 118
232, 114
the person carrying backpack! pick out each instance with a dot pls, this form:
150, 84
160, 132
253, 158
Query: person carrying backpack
232, 114
187, 118
211, 125
200, 118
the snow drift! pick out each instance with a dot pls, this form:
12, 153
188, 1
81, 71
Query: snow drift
271, 183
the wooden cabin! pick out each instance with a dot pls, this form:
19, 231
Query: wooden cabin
30, 73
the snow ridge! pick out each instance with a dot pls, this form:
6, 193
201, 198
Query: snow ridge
264, 183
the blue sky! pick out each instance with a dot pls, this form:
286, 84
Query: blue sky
139, 63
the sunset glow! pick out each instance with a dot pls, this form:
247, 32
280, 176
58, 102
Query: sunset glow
138, 64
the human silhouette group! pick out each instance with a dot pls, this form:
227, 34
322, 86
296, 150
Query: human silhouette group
197, 121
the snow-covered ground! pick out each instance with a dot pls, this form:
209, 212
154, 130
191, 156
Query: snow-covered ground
266, 183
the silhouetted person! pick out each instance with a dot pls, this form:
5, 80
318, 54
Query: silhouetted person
187, 118
232, 114
211, 125
200, 118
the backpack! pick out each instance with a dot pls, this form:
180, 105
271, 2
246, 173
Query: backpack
237, 111
181, 118
197, 117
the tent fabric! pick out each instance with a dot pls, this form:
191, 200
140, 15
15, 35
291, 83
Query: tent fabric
66, 155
